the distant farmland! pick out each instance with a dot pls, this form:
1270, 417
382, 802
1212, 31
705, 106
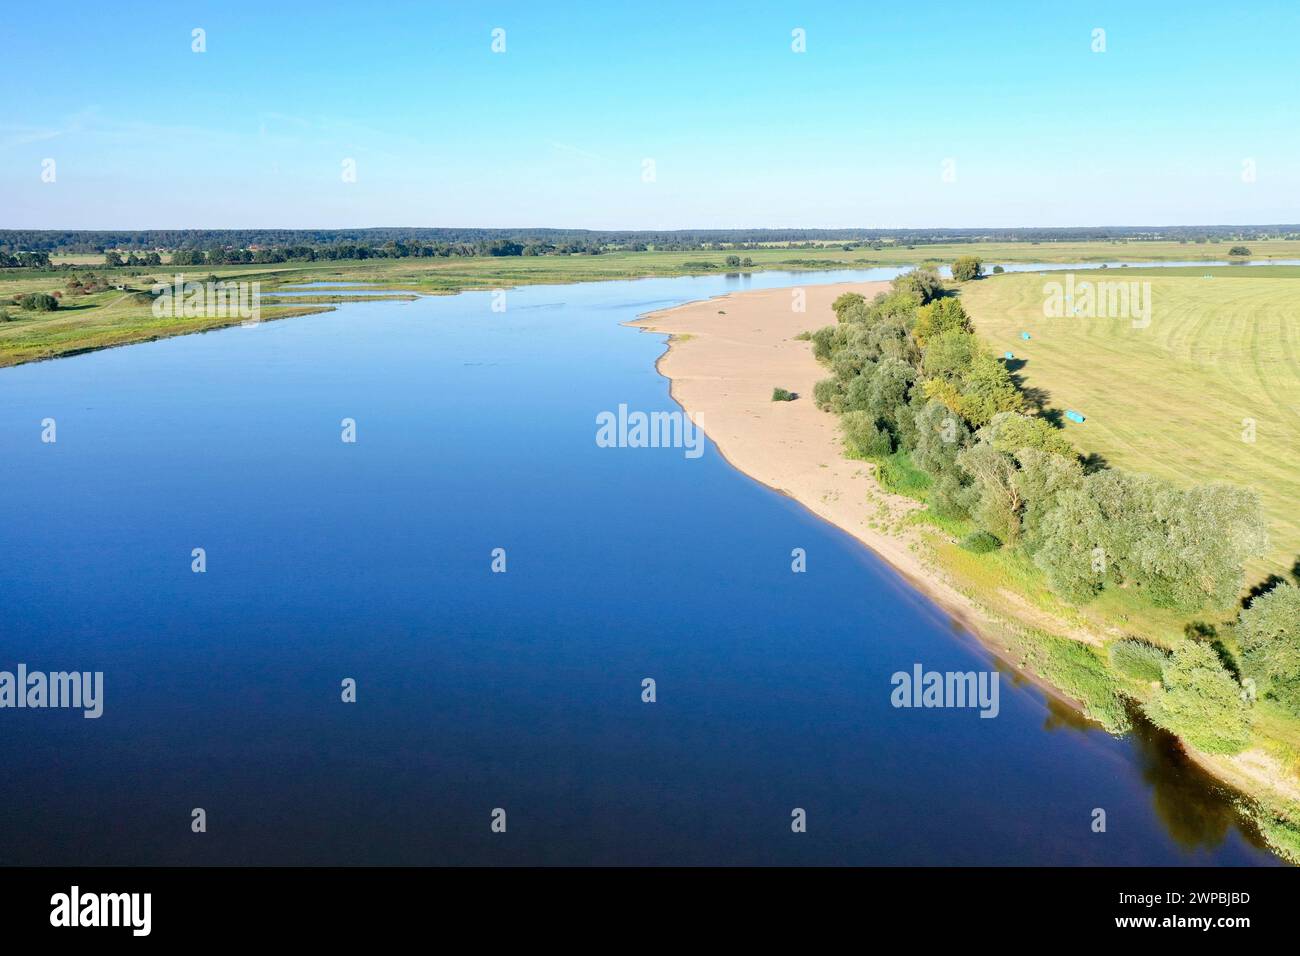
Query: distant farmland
1176, 398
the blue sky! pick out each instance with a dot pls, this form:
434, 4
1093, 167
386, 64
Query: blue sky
743, 131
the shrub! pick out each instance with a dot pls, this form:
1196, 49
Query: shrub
827, 395
845, 301
863, 438
1201, 703
781, 395
980, 542
1269, 634
39, 302
897, 474
924, 284
823, 340
1239, 251
1138, 659
998, 270
967, 268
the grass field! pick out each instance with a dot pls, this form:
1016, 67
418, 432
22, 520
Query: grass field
107, 319
1173, 399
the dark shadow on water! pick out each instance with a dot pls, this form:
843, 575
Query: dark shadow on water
1061, 716
1197, 810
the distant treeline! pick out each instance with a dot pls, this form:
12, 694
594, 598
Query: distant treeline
472, 241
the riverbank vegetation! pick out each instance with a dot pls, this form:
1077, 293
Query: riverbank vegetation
1146, 576
1206, 389
96, 313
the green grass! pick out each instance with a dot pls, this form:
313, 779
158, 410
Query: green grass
101, 321
1079, 671
897, 474
1170, 399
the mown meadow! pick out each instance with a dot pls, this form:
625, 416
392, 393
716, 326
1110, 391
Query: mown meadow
1137, 571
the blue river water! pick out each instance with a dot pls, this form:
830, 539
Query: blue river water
478, 691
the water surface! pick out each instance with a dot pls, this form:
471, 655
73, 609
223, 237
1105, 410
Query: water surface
522, 691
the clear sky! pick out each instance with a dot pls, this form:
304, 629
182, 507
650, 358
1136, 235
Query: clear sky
743, 131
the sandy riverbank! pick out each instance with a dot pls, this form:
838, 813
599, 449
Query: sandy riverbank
726, 355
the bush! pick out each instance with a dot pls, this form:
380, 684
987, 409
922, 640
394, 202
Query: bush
863, 438
845, 301
1201, 703
923, 284
1269, 634
823, 341
967, 268
998, 270
5, 316
781, 395
1138, 659
1239, 251
897, 474
39, 302
980, 542
827, 395
949, 498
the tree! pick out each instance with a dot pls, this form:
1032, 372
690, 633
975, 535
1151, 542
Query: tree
988, 389
1180, 549
733, 261
997, 509
1269, 634
1239, 251
1012, 431
863, 438
940, 435
941, 315
967, 268
1042, 478
1201, 703
949, 355
924, 284
844, 301
111, 258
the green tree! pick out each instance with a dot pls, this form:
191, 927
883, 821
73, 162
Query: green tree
950, 355
941, 315
924, 284
846, 300
967, 268
1269, 634
1012, 431
1042, 478
997, 507
987, 389
1201, 703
